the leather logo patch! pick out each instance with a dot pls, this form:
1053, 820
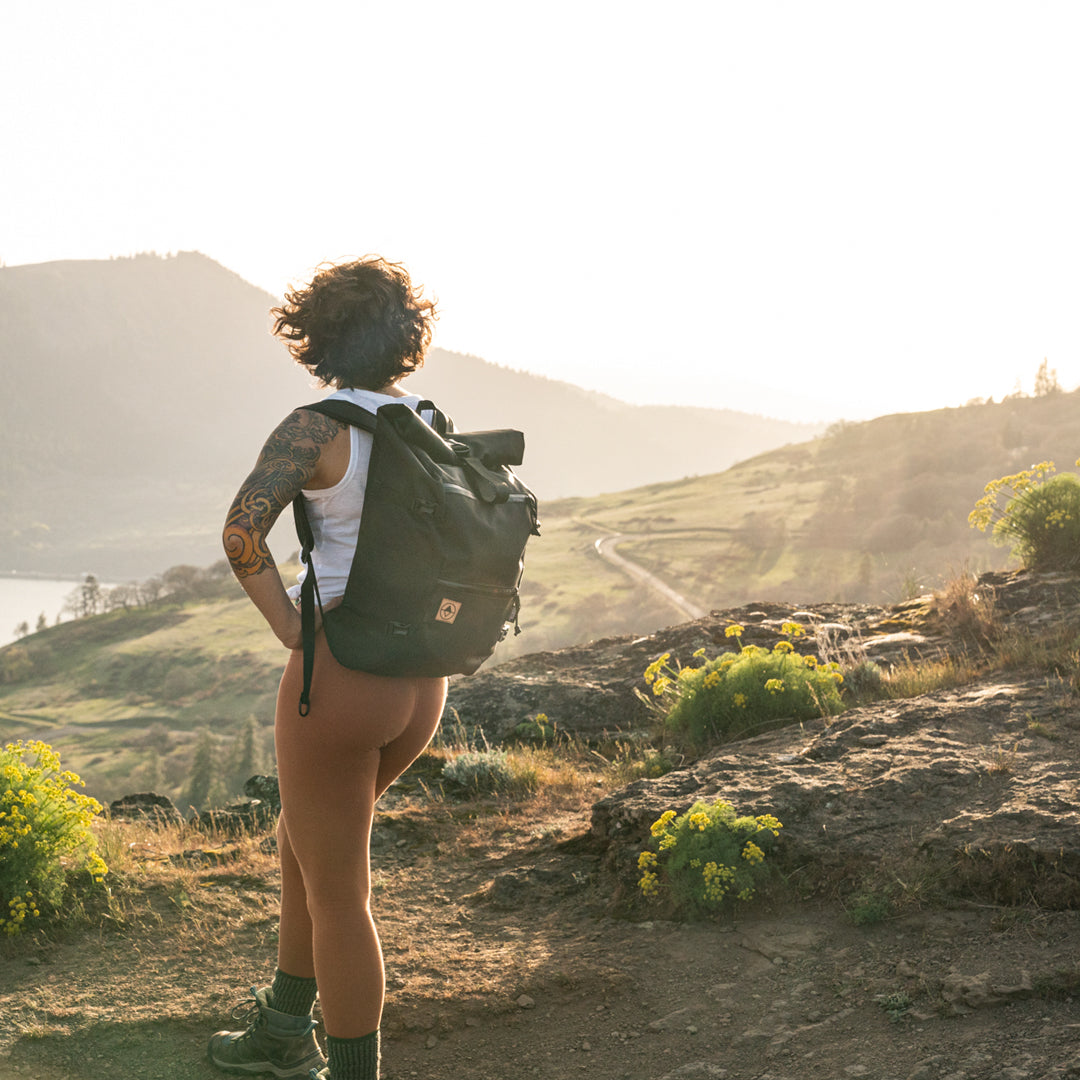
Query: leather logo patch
448, 611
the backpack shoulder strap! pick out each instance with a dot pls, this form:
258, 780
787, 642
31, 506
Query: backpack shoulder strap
346, 412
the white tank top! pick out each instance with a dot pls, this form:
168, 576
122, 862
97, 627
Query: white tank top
334, 512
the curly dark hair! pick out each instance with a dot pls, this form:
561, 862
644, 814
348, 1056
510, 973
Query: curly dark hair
358, 324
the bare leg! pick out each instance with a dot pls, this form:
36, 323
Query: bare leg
294, 930
361, 732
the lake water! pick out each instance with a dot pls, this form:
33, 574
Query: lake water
25, 598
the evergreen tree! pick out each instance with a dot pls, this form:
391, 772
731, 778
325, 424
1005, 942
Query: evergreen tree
203, 775
246, 759
42, 623
1046, 380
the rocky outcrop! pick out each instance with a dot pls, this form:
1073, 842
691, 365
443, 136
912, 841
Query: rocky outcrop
146, 806
588, 690
971, 782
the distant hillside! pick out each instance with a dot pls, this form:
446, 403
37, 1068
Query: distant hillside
137, 391
582, 443
872, 512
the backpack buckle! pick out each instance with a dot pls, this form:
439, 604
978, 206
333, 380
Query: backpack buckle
399, 629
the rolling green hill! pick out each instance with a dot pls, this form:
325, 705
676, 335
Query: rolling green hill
870, 512
867, 513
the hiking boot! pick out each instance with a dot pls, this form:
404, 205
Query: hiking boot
272, 1042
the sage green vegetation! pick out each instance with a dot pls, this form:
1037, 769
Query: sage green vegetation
480, 771
1040, 520
706, 857
46, 844
742, 693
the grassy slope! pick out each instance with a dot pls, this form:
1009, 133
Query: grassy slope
847, 517
863, 514
115, 692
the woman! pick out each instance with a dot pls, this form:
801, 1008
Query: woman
359, 327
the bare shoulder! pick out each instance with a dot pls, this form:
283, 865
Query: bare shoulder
302, 429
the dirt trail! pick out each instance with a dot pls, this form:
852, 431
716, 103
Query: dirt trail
502, 964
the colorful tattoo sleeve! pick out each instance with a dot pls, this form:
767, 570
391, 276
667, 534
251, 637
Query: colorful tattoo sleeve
286, 464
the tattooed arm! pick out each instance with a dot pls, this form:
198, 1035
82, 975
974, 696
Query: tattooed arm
292, 459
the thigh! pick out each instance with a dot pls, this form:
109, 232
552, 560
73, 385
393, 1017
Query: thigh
362, 731
398, 754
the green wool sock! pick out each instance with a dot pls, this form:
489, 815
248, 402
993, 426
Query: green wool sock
353, 1059
291, 994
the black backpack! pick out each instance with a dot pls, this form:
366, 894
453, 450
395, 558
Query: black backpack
433, 586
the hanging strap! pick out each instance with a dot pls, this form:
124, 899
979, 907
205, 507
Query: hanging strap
309, 597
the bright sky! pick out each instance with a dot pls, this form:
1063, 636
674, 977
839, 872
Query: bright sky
809, 210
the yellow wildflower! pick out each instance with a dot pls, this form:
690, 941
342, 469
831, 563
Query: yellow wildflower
752, 853
654, 668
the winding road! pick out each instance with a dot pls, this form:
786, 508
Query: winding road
605, 548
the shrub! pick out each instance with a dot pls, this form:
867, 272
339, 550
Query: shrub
1040, 519
745, 692
481, 771
707, 856
864, 681
537, 731
45, 833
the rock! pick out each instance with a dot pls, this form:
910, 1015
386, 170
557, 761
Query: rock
1009, 833
265, 789
697, 1070
525, 1002
966, 992
517, 887
589, 689
146, 806
239, 819
673, 1020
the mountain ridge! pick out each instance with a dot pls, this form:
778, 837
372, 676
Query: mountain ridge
123, 442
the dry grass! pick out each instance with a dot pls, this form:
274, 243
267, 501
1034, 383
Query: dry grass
914, 677
968, 609
1002, 762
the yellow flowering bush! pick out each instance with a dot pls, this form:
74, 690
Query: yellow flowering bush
706, 856
744, 692
45, 833
1040, 518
